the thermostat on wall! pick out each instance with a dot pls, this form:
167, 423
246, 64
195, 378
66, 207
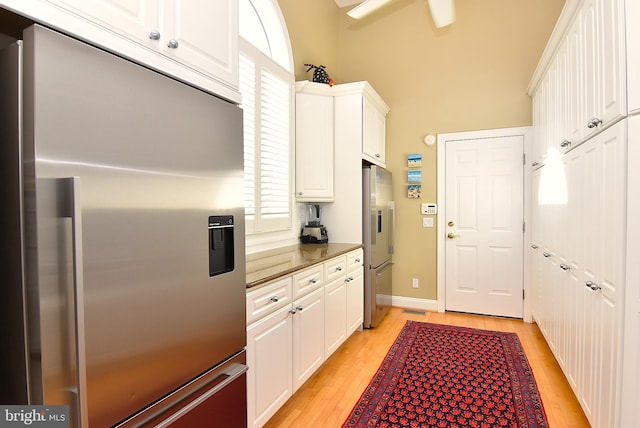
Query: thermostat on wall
429, 209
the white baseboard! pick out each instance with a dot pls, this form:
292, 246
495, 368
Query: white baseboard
410, 303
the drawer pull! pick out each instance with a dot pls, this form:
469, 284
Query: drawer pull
313, 280
274, 299
592, 285
564, 267
546, 255
339, 269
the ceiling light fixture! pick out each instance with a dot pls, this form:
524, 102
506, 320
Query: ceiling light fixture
443, 12
366, 7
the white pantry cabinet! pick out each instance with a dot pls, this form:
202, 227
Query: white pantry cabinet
194, 42
290, 322
314, 142
580, 276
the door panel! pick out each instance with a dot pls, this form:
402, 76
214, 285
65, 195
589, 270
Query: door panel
484, 213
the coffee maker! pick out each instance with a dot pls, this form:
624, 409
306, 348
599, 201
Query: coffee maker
313, 232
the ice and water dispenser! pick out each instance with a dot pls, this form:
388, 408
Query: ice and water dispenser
221, 246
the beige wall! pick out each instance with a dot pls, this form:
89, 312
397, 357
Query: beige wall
469, 76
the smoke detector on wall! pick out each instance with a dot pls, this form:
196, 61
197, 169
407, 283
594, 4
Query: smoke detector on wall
442, 11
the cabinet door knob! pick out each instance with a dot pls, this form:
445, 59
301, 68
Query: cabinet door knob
299, 308
565, 143
592, 285
313, 280
546, 255
292, 311
534, 246
534, 164
357, 260
378, 155
173, 44
339, 268
154, 35
594, 123
274, 299
565, 267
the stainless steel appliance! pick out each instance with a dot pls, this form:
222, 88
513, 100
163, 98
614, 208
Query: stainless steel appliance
314, 232
378, 239
123, 240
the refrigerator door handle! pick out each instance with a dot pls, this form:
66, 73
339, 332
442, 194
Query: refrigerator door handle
224, 379
79, 393
392, 224
385, 267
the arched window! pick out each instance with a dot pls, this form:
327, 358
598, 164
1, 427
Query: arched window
266, 85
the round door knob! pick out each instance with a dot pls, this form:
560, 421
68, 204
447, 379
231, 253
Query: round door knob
173, 44
451, 235
154, 35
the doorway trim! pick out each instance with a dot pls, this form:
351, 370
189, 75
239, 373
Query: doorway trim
525, 132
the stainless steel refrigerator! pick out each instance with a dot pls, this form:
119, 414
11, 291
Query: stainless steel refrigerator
378, 239
123, 268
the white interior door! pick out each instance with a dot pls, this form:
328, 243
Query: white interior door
484, 217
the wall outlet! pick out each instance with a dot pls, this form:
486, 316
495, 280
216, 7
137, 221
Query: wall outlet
415, 283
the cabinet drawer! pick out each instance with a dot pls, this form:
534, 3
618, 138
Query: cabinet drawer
307, 280
355, 260
335, 268
268, 298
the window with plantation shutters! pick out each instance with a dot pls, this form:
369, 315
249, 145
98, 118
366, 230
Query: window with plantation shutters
266, 86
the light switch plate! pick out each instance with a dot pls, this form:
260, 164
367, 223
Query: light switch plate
427, 222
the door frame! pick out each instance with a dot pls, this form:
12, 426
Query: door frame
525, 132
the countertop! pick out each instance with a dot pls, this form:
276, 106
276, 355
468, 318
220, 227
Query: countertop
265, 266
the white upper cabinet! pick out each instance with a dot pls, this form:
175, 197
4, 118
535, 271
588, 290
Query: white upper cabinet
632, 10
604, 72
580, 86
202, 36
196, 42
314, 142
362, 119
373, 132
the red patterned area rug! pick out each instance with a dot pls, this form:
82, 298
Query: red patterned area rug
444, 376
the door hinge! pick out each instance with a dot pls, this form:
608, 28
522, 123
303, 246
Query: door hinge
522, 294
524, 159
524, 227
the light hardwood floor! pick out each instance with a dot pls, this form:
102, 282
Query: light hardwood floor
328, 397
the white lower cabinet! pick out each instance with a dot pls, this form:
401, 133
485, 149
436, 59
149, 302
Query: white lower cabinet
355, 291
294, 324
335, 314
269, 357
308, 336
